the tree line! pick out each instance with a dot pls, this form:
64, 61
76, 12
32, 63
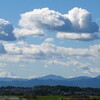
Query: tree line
45, 90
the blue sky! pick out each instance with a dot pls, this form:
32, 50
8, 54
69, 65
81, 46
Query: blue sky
42, 37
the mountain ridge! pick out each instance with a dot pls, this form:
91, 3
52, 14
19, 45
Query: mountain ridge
53, 77
52, 80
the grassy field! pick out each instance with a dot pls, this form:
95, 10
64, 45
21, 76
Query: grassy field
50, 97
95, 98
61, 98
68, 98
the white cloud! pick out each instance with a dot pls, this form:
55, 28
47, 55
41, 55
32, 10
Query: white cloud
32, 76
51, 54
5, 74
26, 32
43, 51
76, 25
82, 21
2, 64
76, 36
39, 17
2, 49
77, 22
67, 63
49, 40
6, 31
91, 70
11, 58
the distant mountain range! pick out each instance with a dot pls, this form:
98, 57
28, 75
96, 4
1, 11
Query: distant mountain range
52, 80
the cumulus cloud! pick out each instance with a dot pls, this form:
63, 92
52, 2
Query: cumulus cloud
82, 21
39, 21
44, 19
6, 31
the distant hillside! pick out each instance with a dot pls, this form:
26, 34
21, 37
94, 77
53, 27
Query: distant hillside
52, 80
98, 77
52, 77
79, 78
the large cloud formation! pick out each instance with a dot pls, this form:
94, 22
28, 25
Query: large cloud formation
49, 53
6, 31
77, 21
49, 50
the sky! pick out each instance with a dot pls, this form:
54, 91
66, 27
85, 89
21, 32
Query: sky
43, 37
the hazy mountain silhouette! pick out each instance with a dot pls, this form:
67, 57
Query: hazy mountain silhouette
52, 80
52, 77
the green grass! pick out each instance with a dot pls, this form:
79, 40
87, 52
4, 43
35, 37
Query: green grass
58, 97
50, 97
95, 97
65, 97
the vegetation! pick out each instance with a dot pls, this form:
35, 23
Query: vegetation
52, 92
